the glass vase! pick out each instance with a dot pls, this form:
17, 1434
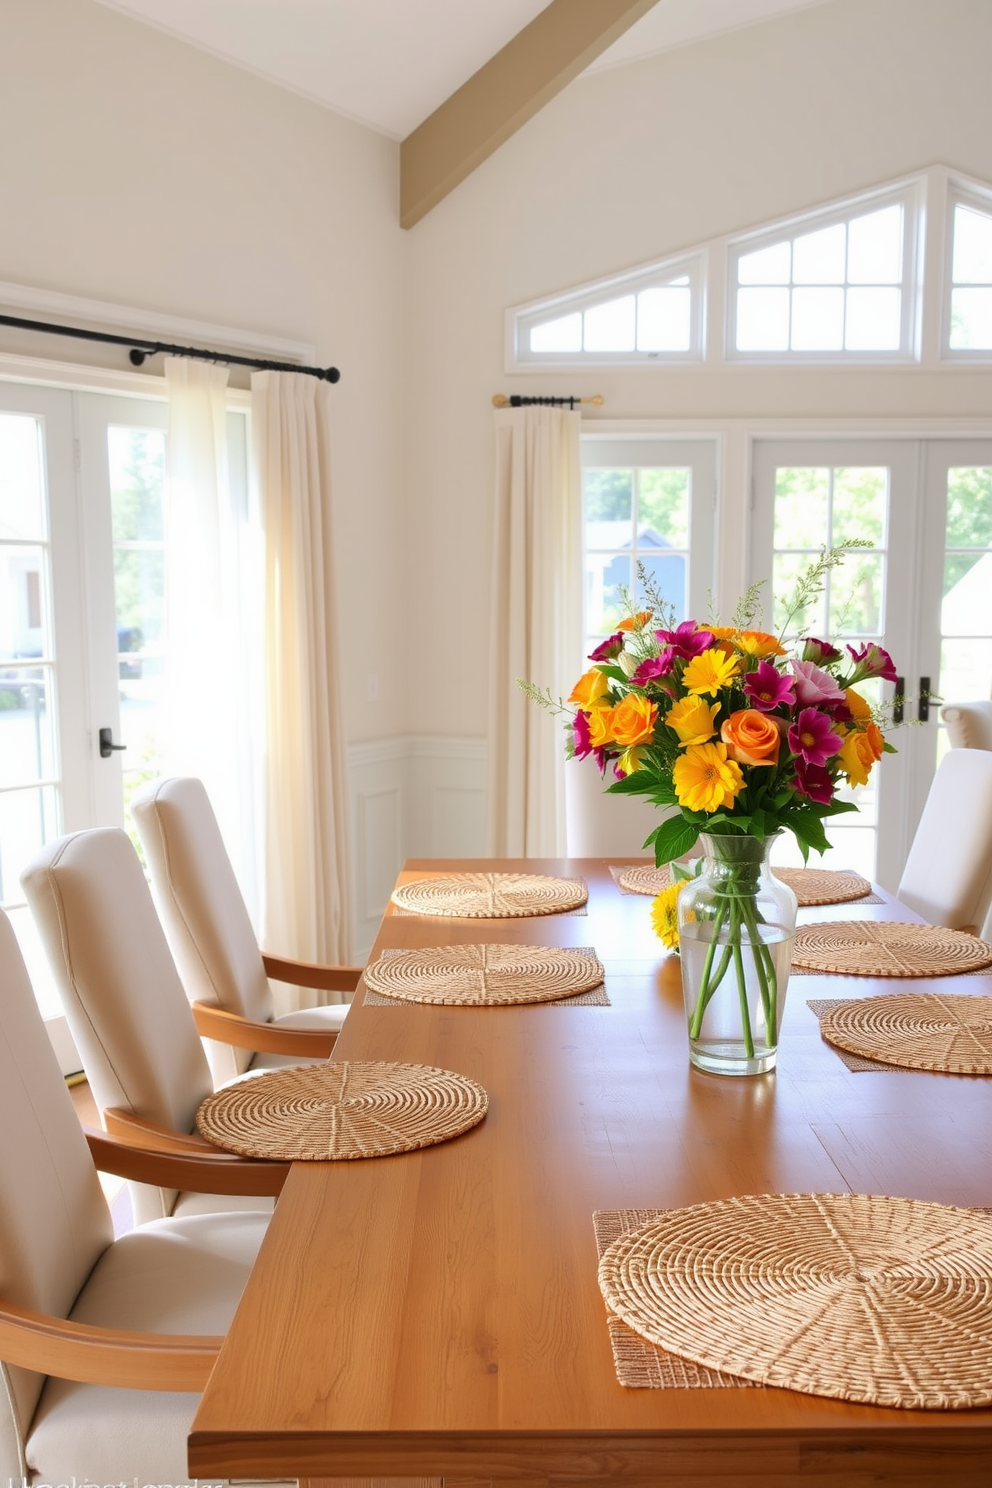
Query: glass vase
737, 923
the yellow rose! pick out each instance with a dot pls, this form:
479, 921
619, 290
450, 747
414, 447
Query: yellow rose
856, 758
693, 720
591, 691
860, 710
629, 761
634, 720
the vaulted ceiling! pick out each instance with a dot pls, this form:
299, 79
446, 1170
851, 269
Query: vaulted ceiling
402, 66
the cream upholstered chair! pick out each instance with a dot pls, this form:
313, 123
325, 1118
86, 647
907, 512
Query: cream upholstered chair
127, 1010
90, 1389
206, 922
948, 874
969, 725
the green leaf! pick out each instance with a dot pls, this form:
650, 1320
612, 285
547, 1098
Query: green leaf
673, 839
615, 673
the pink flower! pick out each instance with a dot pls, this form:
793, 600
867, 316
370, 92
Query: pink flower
768, 688
819, 652
580, 735
814, 687
812, 737
608, 650
814, 782
655, 666
686, 640
871, 661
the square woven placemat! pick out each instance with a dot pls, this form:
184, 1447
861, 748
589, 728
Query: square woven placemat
641, 1365
595, 997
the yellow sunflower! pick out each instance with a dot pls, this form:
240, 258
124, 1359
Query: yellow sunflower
665, 914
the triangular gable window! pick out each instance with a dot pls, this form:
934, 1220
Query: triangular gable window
652, 315
838, 285
968, 331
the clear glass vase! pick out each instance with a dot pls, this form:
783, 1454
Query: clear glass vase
737, 923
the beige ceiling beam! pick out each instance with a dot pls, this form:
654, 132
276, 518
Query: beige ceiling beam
511, 88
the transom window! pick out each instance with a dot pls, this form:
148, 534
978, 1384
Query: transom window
968, 328
653, 315
839, 285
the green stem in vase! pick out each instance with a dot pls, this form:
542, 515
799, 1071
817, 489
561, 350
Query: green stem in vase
742, 991
763, 964
707, 986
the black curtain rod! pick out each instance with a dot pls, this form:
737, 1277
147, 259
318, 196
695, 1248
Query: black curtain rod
519, 400
140, 349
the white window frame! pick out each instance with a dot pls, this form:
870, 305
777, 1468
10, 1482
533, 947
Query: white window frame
911, 196
522, 318
960, 193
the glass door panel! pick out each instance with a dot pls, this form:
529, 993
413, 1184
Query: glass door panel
815, 494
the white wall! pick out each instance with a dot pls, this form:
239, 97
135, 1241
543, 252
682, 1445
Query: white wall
137, 170
636, 163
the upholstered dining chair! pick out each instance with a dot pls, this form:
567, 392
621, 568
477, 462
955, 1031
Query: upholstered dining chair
948, 874
969, 725
104, 1343
206, 922
127, 1011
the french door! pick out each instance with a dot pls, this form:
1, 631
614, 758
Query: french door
81, 627
922, 589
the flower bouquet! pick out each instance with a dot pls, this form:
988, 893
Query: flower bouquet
741, 739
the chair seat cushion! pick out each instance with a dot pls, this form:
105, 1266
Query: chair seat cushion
171, 1276
330, 1018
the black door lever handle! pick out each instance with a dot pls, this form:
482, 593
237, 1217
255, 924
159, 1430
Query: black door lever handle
107, 745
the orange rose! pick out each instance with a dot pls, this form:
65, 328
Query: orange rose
873, 735
633, 720
600, 727
751, 738
591, 690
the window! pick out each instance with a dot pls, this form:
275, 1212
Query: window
968, 298
647, 502
840, 285
654, 314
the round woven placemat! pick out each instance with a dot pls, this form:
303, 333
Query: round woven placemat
887, 948
823, 885
643, 878
491, 896
345, 1110
916, 1030
854, 1296
485, 975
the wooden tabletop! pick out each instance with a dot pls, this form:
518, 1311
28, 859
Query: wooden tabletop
437, 1313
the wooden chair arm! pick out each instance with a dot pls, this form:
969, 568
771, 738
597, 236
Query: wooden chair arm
104, 1356
265, 1038
312, 974
212, 1171
138, 1131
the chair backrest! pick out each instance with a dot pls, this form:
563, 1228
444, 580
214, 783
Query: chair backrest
54, 1220
969, 725
202, 908
948, 873
123, 999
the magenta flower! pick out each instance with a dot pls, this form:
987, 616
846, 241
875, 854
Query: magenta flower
608, 650
812, 737
819, 652
814, 687
768, 688
686, 640
814, 782
580, 735
655, 666
871, 661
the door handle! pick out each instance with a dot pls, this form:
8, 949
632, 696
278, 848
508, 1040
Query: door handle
107, 745
899, 701
923, 709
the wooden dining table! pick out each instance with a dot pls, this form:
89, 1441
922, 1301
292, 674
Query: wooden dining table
435, 1315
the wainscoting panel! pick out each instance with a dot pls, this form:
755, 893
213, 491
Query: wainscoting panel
411, 797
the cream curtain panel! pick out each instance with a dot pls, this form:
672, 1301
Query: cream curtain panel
535, 625
213, 614
308, 899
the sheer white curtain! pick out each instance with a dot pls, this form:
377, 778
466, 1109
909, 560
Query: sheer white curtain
536, 624
308, 897
213, 614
